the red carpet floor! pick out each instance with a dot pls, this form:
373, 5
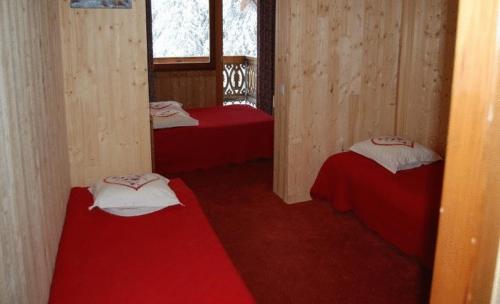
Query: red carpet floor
303, 253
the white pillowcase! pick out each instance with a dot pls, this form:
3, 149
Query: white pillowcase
133, 195
173, 118
169, 114
158, 107
395, 153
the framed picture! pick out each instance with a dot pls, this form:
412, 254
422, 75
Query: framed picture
101, 3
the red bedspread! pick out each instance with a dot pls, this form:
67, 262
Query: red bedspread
171, 256
403, 208
232, 134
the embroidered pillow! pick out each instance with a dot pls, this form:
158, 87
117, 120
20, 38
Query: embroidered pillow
395, 153
173, 117
133, 195
158, 107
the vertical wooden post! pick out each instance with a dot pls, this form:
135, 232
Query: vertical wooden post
469, 228
219, 52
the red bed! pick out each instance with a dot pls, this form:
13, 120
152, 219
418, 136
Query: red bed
231, 134
403, 208
171, 256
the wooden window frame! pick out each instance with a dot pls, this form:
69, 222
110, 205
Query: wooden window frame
192, 63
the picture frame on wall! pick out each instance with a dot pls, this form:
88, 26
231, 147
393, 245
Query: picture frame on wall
101, 4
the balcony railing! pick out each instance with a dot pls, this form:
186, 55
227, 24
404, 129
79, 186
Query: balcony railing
240, 80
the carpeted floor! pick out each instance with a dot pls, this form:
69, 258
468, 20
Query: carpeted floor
303, 253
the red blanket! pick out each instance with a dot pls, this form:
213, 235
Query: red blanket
171, 256
232, 134
403, 208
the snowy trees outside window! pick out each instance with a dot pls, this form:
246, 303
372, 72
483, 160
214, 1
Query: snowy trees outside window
181, 28
240, 28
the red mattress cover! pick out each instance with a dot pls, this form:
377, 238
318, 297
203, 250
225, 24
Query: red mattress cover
171, 256
403, 208
231, 134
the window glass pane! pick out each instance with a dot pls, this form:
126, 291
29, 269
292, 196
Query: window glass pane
181, 28
240, 28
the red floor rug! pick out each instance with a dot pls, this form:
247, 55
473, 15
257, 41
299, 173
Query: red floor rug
303, 253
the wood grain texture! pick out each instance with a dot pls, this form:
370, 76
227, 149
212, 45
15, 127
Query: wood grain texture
343, 68
281, 164
337, 68
106, 91
427, 53
34, 165
194, 89
469, 228
495, 296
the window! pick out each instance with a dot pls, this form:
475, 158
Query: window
183, 34
240, 27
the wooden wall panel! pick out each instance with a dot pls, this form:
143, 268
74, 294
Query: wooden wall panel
34, 165
195, 89
349, 70
337, 67
469, 228
427, 49
495, 294
106, 91
282, 67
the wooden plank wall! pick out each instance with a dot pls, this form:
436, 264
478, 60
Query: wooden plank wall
495, 294
34, 165
427, 54
469, 227
194, 89
106, 91
339, 79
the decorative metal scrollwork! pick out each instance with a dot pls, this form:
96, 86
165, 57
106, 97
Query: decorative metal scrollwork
240, 80
234, 80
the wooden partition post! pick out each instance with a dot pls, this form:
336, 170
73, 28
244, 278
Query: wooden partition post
105, 74
34, 163
469, 228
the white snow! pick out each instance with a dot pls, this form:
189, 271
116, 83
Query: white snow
181, 28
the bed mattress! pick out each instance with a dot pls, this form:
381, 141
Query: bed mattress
170, 256
403, 208
231, 134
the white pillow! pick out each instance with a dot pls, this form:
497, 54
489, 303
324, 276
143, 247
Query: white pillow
133, 195
395, 153
158, 107
171, 118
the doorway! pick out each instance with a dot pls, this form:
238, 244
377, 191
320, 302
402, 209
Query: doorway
204, 53
240, 52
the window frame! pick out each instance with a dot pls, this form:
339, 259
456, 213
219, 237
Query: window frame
192, 63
